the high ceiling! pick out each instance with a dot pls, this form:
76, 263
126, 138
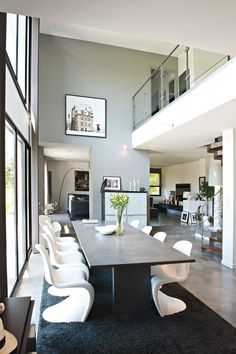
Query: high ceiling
151, 25
143, 25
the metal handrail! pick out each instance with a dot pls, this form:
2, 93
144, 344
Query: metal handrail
154, 72
139, 118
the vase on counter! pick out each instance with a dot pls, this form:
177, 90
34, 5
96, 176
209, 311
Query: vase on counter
119, 221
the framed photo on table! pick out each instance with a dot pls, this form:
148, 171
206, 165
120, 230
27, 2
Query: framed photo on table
85, 116
184, 217
112, 183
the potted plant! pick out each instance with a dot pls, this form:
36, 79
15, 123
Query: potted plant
207, 192
118, 202
210, 219
199, 215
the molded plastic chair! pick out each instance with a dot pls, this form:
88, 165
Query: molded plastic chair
67, 282
135, 223
56, 228
170, 273
63, 259
147, 229
160, 236
60, 246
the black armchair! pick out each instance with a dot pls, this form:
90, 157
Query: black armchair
78, 206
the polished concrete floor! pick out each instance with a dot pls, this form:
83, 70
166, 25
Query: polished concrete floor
209, 281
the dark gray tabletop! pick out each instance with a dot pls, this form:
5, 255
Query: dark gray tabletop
132, 248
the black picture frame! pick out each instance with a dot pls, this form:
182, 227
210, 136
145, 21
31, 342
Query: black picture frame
184, 217
85, 116
200, 180
112, 183
81, 181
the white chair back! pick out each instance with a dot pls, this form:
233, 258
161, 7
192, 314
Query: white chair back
135, 223
184, 247
160, 236
46, 262
47, 235
56, 228
147, 229
182, 269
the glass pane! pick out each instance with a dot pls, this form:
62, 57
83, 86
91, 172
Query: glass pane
28, 64
154, 190
156, 92
142, 104
21, 210
28, 200
11, 39
21, 72
10, 207
202, 63
154, 179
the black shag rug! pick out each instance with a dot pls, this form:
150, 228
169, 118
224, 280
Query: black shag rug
198, 329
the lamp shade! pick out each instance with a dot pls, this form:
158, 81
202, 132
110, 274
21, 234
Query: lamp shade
215, 173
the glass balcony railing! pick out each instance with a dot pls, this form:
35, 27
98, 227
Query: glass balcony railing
183, 69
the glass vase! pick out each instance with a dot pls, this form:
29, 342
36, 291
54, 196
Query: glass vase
119, 221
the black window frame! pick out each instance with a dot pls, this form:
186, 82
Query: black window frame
157, 171
14, 73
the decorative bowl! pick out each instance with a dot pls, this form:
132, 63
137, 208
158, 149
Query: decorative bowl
106, 230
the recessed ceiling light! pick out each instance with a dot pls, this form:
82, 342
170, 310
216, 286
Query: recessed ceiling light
196, 131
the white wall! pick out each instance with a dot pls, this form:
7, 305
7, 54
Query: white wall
69, 66
188, 172
60, 169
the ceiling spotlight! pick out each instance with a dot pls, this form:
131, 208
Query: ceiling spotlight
196, 131
125, 147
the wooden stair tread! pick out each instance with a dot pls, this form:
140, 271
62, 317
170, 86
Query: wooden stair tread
214, 250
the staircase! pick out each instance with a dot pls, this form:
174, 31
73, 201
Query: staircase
217, 149
213, 235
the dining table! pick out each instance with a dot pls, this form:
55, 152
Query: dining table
130, 256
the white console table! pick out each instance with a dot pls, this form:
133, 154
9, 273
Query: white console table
136, 208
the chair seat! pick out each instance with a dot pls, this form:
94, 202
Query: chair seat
73, 309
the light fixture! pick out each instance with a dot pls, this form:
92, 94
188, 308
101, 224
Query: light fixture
125, 147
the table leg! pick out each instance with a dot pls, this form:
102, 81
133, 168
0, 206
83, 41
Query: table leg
131, 288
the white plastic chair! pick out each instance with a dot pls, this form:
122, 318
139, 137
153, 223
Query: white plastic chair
60, 246
56, 228
63, 259
67, 282
170, 273
160, 236
135, 223
147, 229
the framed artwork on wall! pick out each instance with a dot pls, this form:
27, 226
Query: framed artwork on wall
201, 179
85, 116
184, 217
112, 183
82, 181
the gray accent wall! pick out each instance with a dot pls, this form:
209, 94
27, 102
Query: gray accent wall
68, 66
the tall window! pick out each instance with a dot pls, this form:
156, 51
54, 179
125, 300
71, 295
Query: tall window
17, 172
155, 182
18, 49
10, 173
